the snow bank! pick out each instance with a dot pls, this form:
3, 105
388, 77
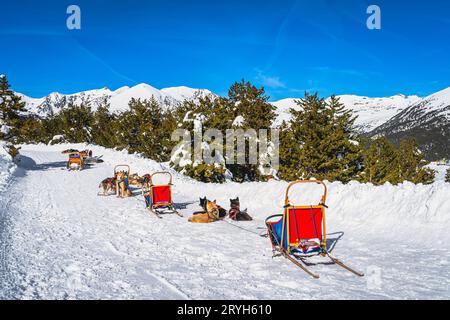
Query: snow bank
7, 166
417, 212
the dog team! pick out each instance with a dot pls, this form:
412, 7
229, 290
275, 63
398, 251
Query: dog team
211, 211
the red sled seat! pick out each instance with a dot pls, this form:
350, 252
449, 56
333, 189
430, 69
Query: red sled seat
300, 229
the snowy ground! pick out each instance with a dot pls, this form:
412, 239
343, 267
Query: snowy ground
60, 240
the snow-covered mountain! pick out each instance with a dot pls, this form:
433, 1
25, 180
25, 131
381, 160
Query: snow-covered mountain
371, 112
118, 99
428, 121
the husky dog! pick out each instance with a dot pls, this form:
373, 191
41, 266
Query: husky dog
235, 212
211, 212
145, 182
222, 211
121, 186
108, 185
135, 180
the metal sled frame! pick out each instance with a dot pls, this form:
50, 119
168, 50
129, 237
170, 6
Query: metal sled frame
287, 246
160, 207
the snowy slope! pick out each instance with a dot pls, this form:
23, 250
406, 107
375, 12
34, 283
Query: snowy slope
118, 99
7, 167
427, 120
371, 112
66, 242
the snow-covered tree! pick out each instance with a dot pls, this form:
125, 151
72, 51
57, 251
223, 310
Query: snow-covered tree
12, 110
447, 176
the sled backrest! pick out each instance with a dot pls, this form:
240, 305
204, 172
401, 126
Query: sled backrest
304, 223
122, 167
161, 195
162, 178
74, 156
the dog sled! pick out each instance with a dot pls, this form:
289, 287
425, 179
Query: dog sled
76, 161
300, 232
85, 155
158, 197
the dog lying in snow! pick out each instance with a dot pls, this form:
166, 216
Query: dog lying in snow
235, 212
211, 212
108, 185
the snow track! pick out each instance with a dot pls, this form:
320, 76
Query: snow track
60, 240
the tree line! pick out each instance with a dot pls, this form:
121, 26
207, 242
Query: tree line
319, 141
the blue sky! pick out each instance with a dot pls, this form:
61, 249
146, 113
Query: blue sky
286, 46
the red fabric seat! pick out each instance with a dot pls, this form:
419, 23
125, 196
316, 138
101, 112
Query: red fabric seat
305, 224
161, 195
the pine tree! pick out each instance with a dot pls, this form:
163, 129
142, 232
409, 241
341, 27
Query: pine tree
252, 106
381, 163
146, 128
11, 111
319, 143
244, 101
447, 176
412, 163
74, 123
104, 127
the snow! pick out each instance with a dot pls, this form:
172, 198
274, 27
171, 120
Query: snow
118, 99
63, 241
7, 167
184, 93
238, 121
371, 112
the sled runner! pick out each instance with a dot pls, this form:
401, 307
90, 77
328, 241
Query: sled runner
300, 232
158, 197
76, 161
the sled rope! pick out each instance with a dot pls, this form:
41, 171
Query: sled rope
262, 235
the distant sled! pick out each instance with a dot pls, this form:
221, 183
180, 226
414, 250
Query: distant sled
300, 232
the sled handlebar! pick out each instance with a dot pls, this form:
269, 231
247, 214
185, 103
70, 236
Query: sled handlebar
161, 173
122, 165
324, 196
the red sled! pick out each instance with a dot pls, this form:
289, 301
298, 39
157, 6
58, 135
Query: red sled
300, 232
158, 197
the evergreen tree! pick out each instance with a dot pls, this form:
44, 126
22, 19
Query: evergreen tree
447, 176
244, 102
73, 122
11, 111
251, 106
319, 142
146, 128
383, 162
104, 127
412, 163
